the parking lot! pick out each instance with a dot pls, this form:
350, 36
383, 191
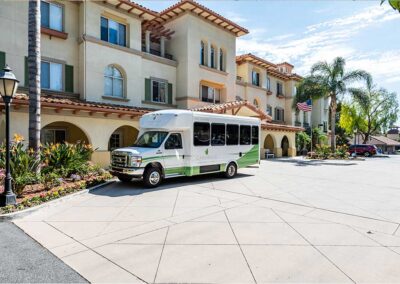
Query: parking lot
285, 221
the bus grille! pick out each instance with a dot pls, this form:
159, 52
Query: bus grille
119, 160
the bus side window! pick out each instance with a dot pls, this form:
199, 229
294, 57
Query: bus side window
232, 134
217, 134
254, 135
245, 135
201, 134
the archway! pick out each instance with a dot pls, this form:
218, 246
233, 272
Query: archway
285, 146
123, 136
269, 143
61, 131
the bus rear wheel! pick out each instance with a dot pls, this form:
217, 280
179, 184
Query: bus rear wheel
152, 177
231, 170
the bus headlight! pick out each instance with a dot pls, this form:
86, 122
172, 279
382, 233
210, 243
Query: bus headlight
136, 161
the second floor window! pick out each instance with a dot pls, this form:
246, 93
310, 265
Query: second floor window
279, 89
279, 114
269, 110
113, 32
255, 78
51, 16
202, 53
210, 94
51, 76
113, 82
212, 57
159, 91
268, 84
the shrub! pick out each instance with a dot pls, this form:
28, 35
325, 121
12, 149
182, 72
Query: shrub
342, 152
323, 151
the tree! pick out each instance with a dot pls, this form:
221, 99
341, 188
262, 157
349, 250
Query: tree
34, 77
302, 141
374, 110
329, 80
394, 3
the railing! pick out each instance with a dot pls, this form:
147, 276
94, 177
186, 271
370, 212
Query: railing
297, 123
306, 125
279, 122
158, 53
269, 93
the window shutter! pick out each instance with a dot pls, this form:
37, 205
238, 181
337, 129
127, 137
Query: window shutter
169, 93
147, 90
26, 72
2, 60
69, 78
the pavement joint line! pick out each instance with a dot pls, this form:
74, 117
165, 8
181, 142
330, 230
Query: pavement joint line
395, 231
312, 245
162, 251
250, 244
99, 254
240, 247
314, 207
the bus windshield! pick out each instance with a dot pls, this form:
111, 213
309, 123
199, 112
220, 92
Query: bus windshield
151, 139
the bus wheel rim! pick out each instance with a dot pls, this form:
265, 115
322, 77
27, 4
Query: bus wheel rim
154, 178
231, 170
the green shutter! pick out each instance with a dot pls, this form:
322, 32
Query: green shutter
2, 60
69, 78
26, 72
147, 90
169, 93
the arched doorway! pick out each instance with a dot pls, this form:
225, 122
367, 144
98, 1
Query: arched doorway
123, 136
285, 146
269, 144
61, 131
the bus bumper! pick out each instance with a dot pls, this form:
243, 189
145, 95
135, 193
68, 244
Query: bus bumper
134, 172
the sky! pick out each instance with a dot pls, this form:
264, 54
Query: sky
304, 32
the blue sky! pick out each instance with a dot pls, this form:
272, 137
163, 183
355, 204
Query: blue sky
366, 34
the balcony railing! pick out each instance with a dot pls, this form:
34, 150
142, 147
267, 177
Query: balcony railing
297, 123
306, 125
269, 93
158, 53
278, 122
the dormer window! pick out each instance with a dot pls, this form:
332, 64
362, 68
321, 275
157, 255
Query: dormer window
52, 15
113, 32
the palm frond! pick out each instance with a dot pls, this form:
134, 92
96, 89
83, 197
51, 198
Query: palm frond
356, 75
338, 66
321, 68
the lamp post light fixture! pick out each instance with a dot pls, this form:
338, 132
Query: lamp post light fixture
8, 88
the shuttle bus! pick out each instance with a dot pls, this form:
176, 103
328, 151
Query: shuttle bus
174, 143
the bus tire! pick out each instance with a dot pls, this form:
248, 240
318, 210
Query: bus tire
124, 178
152, 177
231, 170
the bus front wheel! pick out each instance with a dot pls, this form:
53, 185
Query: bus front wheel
231, 170
152, 177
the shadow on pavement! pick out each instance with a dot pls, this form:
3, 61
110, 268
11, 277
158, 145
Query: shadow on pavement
305, 163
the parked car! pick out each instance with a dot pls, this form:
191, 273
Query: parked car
362, 149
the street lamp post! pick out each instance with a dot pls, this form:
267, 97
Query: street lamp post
8, 88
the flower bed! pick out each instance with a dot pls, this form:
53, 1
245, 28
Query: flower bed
65, 168
323, 152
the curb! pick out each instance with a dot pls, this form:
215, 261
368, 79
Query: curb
10, 216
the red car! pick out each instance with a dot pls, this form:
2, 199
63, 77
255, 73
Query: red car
362, 149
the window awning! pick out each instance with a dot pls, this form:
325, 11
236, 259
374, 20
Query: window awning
211, 84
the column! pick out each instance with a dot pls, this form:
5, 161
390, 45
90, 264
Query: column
162, 46
217, 58
147, 38
208, 63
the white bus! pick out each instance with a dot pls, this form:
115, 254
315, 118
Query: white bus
175, 143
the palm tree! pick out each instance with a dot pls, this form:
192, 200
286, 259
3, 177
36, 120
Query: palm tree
394, 3
329, 80
34, 77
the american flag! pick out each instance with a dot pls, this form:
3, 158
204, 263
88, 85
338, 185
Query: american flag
306, 106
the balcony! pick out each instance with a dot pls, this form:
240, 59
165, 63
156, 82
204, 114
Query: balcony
297, 123
269, 93
158, 53
278, 122
280, 95
306, 125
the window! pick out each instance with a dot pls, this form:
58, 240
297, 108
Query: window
202, 53
54, 136
279, 114
268, 84
217, 134
159, 91
174, 141
113, 32
255, 102
279, 89
221, 60
325, 124
255, 78
115, 141
212, 57
113, 82
245, 135
269, 110
151, 139
51, 16
51, 76
232, 134
305, 117
254, 135
210, 94
201, 134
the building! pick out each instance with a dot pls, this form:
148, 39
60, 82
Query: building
387, 145
105, 63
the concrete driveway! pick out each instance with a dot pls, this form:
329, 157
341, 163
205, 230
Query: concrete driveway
286, 221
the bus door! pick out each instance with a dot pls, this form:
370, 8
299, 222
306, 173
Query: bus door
174, 155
